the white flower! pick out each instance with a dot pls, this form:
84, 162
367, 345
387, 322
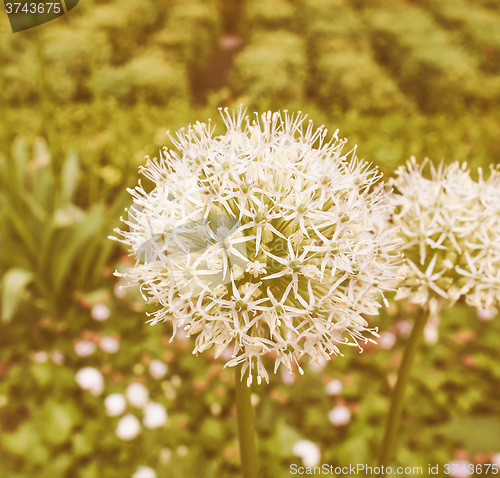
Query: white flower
100, 312
165, 456
182, 450
84, 348
287, 377
144, 472
256, 268
451, 232
40, 357
387, 340
155, 415
216, 409
339, 416
431, 331
137, 395
308, 451
109, 344
57, 357
115, 404
317, 365
295, 229
459, 468
89, 378
119, 291
334, 387
487, 314
128, 427
157, 369
496, 459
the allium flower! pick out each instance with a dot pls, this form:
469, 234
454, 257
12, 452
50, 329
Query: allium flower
266, 239
451, 232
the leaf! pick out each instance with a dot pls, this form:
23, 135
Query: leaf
478, 434
285, 437
90, 471
58, 420
14, 284
20, 159
43, 186
82, 444
70, 177
42, 373
82, 232
23, 440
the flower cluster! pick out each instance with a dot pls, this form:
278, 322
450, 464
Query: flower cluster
266, 239
451, 231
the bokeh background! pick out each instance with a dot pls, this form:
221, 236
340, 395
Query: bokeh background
85, 97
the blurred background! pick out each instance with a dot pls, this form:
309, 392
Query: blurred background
87, 390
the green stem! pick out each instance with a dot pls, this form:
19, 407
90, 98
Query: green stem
46, 104
397, 398
245, 426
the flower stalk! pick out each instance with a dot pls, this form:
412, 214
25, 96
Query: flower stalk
245, 425
397, 397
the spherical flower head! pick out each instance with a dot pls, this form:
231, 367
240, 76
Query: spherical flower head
451, 234
267, 239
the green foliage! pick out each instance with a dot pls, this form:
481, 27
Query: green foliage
46, 240
324, 19
147, 77
14, 285
264, 15
476, 29
271, 70
349, 78
190, 34
429, 67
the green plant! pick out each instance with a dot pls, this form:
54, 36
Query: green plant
271, 70
49, 246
